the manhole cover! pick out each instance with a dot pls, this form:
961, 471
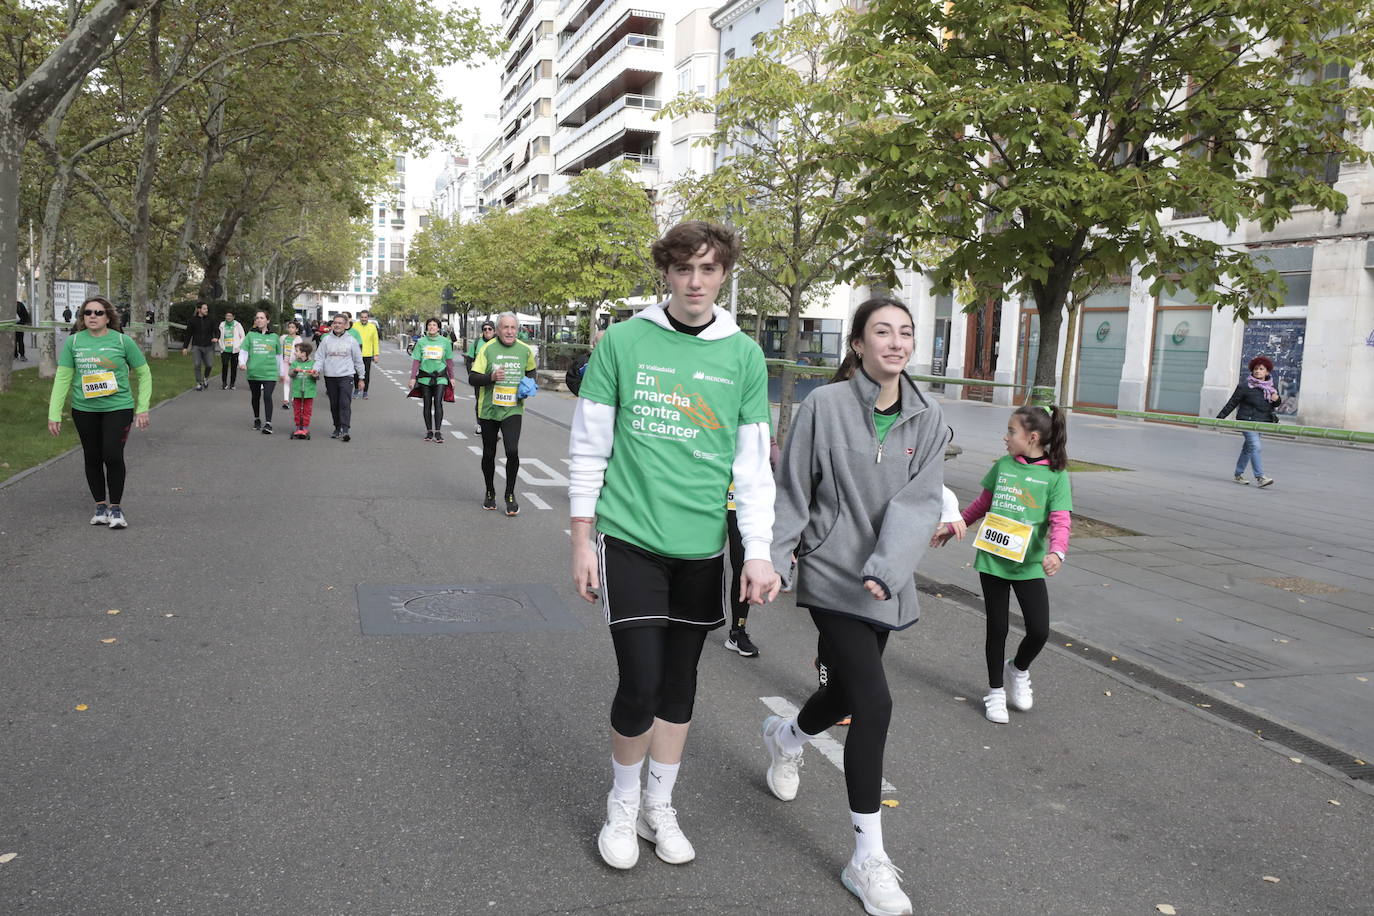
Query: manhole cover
386, 610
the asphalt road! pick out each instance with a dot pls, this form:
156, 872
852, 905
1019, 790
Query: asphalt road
245, 748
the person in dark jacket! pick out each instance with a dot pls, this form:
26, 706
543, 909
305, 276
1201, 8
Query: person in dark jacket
21, 312
202, 334
1254, 400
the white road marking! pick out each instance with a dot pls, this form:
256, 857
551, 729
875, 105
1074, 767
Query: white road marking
553, 480
831, 749
538, 503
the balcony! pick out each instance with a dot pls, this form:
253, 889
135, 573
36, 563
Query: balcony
633, 53
625, 126
610, 17
646, 162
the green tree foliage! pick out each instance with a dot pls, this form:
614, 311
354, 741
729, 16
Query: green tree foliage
779, 184
408, 296
1044, 140
604, 226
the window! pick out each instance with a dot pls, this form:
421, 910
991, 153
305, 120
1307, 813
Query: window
397, 249
684, 80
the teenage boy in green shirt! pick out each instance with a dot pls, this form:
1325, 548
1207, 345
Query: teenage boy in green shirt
674, 404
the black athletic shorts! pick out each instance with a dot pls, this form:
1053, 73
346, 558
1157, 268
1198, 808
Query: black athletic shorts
643, 589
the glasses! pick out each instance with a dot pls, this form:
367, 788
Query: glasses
90, 312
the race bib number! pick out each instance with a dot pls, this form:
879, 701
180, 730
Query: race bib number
98, 384
503, 396
1003, 537
435, 352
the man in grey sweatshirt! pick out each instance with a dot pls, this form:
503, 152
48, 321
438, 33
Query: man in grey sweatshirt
338, 360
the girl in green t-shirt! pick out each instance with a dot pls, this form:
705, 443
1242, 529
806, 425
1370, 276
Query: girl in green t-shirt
1027, 500
93, 375
261, 356
431, 371
302, 382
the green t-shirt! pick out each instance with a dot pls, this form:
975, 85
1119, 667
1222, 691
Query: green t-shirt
476, 345
680, 401
498, 401
433, 353
1025, 493
263, 350
882, 422
303, 384
100, 369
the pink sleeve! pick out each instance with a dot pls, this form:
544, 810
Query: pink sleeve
978, 508
1060, 522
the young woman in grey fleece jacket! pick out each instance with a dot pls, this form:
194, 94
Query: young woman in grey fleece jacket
859, 492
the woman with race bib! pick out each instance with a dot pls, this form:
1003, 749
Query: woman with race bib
1027, 502
260, 357
431, 370
93, 373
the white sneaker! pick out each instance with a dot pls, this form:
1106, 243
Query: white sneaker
876, 884
617, 841
782, 777
102, 515
1018, 685
657, 823
995, 707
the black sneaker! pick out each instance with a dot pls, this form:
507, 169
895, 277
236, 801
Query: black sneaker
488, 502
438, 437
739, 641
223, 387
429, 435
267, 429
257, 424
512, 507
334, 434
345, 437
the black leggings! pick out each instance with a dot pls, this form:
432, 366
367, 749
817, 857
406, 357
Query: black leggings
103, 434
509, 430
735, 544
432, 407
262, 392
228, 368
658, 676
1035, 611
852, 651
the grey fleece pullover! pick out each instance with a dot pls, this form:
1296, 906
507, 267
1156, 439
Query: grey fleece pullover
853, 509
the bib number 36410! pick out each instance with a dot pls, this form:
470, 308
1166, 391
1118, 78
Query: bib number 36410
1004, 537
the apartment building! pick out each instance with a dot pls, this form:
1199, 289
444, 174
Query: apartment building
395, 218
456, 190
517, 162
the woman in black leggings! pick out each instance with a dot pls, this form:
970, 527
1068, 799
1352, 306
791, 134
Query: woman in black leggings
93, 375
431, 371
859, 491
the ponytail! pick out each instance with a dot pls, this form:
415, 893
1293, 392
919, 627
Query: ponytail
847, 367
1049, 423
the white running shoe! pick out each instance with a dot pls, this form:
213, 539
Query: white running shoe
782, 777
657, 823
877, 885
617, 841
117, 519
1018, 684
995, 707
102, 515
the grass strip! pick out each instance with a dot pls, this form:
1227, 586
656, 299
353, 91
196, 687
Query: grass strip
25, 441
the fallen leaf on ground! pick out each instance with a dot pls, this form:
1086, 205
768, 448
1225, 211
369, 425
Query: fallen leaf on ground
1068, 645
938, 595
1178, 620
329, 588
1359, 762
1166, 909
1205, 705
1296, 759
109, 641
1271, 879
1114, 658
169, 615
1276, 639
8, 857
962, 699
1362, 679
1237, 684
890, 803
1332, 801
112, 611
82, 707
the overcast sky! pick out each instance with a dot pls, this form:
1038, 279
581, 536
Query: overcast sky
477, 89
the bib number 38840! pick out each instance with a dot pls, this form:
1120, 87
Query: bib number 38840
1004, 537
98, 384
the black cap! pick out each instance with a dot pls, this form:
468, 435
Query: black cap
488, 324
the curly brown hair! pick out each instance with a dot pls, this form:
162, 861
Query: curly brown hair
682, 243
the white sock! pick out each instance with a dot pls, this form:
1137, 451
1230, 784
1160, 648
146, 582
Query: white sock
791, 738
662, 777
627, 779
868, 836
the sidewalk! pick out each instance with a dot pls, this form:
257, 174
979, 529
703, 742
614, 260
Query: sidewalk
1264, 598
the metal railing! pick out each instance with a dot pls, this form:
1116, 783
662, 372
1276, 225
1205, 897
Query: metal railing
634, 40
